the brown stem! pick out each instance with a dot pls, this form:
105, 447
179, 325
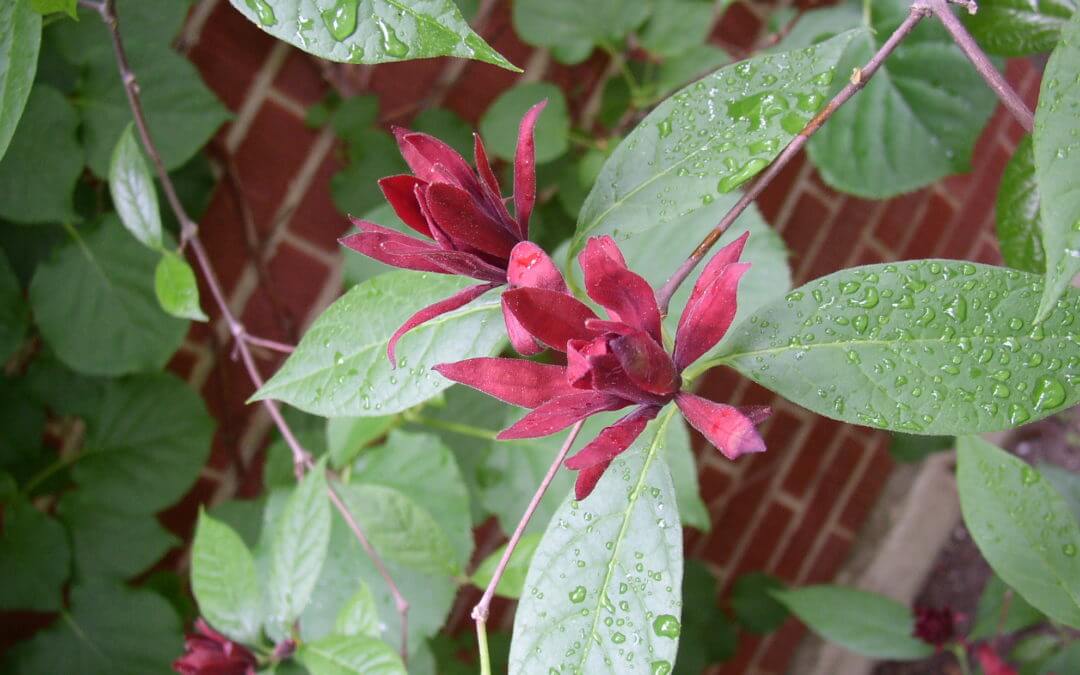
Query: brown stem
978, 58
859, 78
106, 9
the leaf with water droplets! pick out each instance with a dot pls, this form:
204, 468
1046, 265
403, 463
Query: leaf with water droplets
867, 623
1057, 163
373, 31
1018, 212
20, 39
340, 366
1019, 27
1023, 527
706, 140
914, 122
927, 347
603, 593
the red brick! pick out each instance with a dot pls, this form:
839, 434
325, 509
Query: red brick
578, 81
782, 429
899, 219
221, 231
753, 393
764, 541
775, 195
803, 224
225, 392
738, 27
403, 87
279, 307
868, 490
811, 454
855, 216
229, 53
714, 483
828, 560
300, 78
935, 220
775, 654
748, 645
865, 255
732, 524
184, 360
316, 219
987, 252
180, 517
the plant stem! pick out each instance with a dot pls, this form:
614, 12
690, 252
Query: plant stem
189, 237
859, 78
480, 611
482, 643
978, 58
960, 652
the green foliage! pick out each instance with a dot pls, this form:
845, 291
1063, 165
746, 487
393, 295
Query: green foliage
1019, 28
386, 30
372, 154
224, 582
176, 289
133, 192
499, 125
754, 604
1001, 611
910, 448
616, 555
34, 559
863, 622
513, 579
1018, 212
572, 29
928, 347
1022, 526
20, 41
359, 616
14, 316
1057, 161
708, 634
1066, 483
447, 127
676, 26
68, 7
350, 655
346, 437
916, 121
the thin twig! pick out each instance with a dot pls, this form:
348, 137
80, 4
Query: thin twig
190, 237
858, 80
978, 58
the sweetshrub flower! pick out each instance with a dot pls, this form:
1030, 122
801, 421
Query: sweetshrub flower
208, 652
464, 216
616, 362
935, 626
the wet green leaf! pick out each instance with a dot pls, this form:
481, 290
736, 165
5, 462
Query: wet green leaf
513, 578
133, 192
571, 29
350, 655
499, 125
20, 40
176, 289
1018, 213
929, 347
223, 580
34, 560
1019, 27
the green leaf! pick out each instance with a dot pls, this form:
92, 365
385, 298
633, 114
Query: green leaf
372, 155
513, 579
133, 192
1065, 661
34, 560
43, 163
1019, 27
20, 40
224, 582
679, 456
1022, 526
1018, 212
346, 437
299, 547
445, 125
1001, 611
914, 122
499, 125
1033, 649
109, 630
708, 635
676, 26
1066, 483
695, 62
909, 448
385, 31
14, 314
928, 346
754, 603
49, 6
706, 140
112, 540
340, 367
420, 467
176, 289
95, 306
23, 420
863, 622
616, 555
571, 29
359, 615
1057, 162
350, 655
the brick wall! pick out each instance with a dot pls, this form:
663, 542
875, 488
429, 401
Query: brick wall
271, 231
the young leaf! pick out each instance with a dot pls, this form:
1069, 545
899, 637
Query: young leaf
616, 555
1057, 163
499, 125
1018, 212
50, 6
95, 306
347, 436
299, 550
14, 317
915, 121
340, 366
571, 29
176, 289
1022, 526
513, 578
379, 32
359, 616
20, 39
34, 560
929, 347
133, 192
1019, 27
1001, 611
350, 655
863, 622
706, 140
224, 582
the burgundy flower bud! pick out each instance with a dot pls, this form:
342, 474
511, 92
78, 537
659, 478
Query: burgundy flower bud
208, 652
935, 626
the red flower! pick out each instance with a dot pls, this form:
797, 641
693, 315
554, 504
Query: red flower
935, 626
208, 652
618, 362
991, 663
464, 216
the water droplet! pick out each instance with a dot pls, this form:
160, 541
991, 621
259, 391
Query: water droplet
664, 127
340, 19
1029, 476
1069, 550
660, 668
263, 10
667, 626
578, 594
618, 638
391, 44
1047, 394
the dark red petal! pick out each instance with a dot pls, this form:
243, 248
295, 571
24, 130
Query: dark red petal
559, 413
612, 440
398, 250
491, 188
400, 192
465, 221
729, 430
582, 359
525, 168
626, 296
433, 161
516, 381
601, 326
531, 267
459, 299
646, 363
991, 662
587, 480
708, 316
523, 343
551, 317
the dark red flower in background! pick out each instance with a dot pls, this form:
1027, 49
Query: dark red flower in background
935, 626
208, 652
468, 228
991, 662
618, 362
